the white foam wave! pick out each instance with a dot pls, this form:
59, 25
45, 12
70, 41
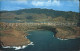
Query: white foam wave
31, 43
18, 47
62, 39
15, 47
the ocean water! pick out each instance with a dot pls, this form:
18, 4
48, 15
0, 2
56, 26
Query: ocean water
45, 41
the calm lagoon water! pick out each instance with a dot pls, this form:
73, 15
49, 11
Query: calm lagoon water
44, 41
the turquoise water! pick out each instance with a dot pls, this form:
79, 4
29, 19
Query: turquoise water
44, 41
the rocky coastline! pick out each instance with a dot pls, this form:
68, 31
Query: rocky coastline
15, 37
18, 47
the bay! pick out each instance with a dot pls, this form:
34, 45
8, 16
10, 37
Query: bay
44, 41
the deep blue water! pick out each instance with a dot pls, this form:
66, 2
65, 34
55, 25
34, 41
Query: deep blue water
44, 41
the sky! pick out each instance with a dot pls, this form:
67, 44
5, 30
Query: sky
61, 5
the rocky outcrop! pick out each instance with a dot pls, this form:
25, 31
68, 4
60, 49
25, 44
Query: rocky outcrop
13, 38
71, 33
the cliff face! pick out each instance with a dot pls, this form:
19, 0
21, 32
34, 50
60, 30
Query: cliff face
13, 38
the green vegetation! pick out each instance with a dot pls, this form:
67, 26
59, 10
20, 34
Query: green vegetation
40, 15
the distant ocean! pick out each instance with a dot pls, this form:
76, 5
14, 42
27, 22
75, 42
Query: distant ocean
44, 41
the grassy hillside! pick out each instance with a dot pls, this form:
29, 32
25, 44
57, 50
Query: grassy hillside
40, 15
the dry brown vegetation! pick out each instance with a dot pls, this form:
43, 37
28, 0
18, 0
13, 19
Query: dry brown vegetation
14, 38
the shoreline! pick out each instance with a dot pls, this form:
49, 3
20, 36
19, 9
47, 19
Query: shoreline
31, 43
53, 35
18, 47
62, 39
67, 39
